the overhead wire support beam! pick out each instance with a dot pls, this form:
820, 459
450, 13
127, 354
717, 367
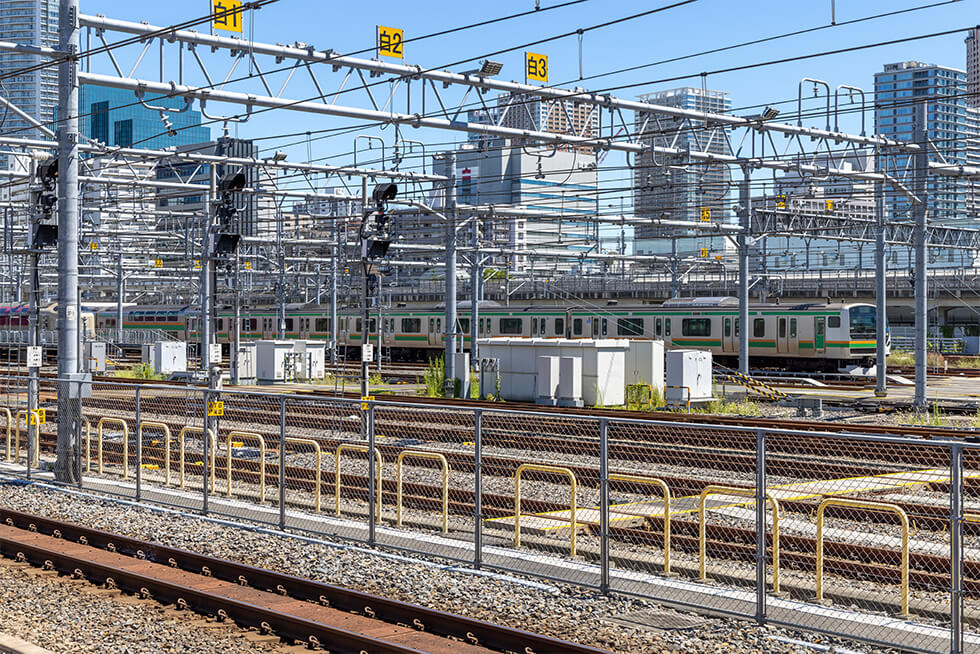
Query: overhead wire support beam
415, 72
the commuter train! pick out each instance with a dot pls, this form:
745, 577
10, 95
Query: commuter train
823, 336
16, 316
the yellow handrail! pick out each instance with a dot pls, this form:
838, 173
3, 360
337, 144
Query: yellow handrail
737, 492
166, 444
180, 439
869, 506
251, 436
421, 454
356, 448
88, 444
653, 481
319, 460
27, 429
686, 388
119, 422
517, 498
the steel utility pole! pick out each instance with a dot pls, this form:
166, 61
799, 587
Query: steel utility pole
69, 402
207, 293
333, 292
745, 219
120, 292
451, 216
237, 327
881, 284
920, 211
365, 304
476, 281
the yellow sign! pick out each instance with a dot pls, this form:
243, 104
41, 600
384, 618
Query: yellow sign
93, 246
705, 215
830, 205
38, 418
780, 201
216, 409
390, 42
158, 263
703, 252
248, 265
197, 264
364, 401
227, 15
536, 66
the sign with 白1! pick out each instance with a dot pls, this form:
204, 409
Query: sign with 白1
214, 353
367, 353
34, 356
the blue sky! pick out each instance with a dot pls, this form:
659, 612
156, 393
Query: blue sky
350, 26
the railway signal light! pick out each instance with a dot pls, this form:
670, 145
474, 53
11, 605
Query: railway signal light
45, 199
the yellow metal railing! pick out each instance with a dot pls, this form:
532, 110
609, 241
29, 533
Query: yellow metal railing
350, 447
420, 454
181, 444
28, 422
118, 422
517, 498
685, 388
88, 444
653, 481
868, 506
319, 461
148, 424
248, 435
737, 492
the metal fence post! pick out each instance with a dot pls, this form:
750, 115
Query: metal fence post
282, 463
139, 449
78, 429
207, 452
478, 489
956, 549
372, 478
760, 526
603, 504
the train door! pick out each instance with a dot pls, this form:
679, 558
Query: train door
435, 331
304, 327
819, 334
782, 336
794, 337
727, 335
568, 325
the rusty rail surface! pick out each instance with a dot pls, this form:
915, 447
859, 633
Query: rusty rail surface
75, 549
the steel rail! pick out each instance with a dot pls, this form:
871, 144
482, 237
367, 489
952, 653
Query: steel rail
441, 623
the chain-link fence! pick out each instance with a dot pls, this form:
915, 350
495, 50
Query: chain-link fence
866, 536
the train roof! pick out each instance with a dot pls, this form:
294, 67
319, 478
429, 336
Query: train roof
702, 302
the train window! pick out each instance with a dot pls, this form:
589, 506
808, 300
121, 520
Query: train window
464, 325
728, 327
439, 325
576, 326
373, 325
667, 327
737, 330
833, 322
289, 324
759, 327
696, 327
172, 317
792, 327
630, 326
357, 326
559, 326
511, 325
660, 326
432, 325
322, 324
544, 327
605, 326
782, 328
252, 324
534, 326
411, 325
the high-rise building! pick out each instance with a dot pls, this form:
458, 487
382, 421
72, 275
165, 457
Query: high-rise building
898, 89
115, 117
672, 187
528, 112
973, 68
28, 22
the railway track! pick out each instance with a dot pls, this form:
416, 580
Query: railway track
928, 572
296, 609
